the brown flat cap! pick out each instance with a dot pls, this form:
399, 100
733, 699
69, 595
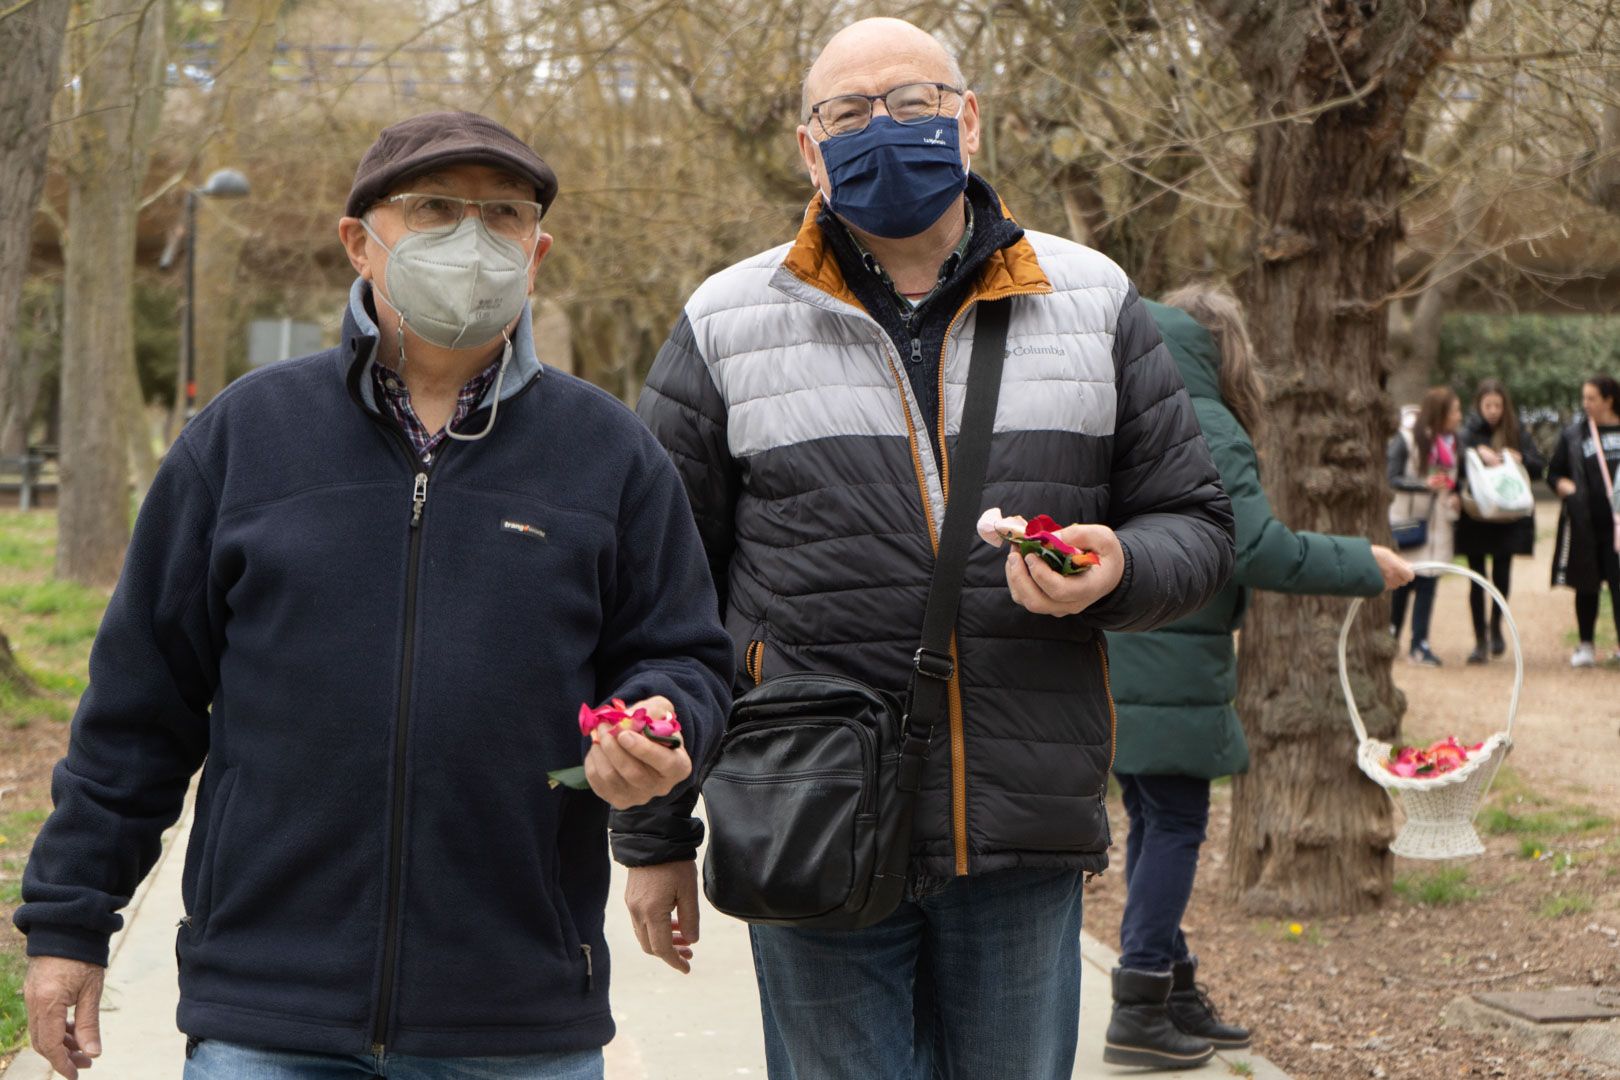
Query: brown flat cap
436, 139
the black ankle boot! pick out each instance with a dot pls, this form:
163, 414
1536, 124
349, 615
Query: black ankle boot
1498, 646
1141, 1032
1193, 1013
1479, 655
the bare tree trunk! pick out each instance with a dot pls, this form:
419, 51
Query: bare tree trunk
12, 675
247, 42
1309, 833
120, 67
31, 42
1606, 178
1414, 337
33, 359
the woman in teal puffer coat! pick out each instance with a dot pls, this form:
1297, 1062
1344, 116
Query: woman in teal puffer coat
1174, 688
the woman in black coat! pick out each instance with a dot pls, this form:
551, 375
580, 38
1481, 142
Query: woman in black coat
1586, 557
1494, 431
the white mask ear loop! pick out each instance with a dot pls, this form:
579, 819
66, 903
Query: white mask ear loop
495, 405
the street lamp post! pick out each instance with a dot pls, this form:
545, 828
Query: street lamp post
223, 184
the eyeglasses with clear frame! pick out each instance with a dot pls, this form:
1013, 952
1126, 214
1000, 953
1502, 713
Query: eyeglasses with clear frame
910, 103
514, 219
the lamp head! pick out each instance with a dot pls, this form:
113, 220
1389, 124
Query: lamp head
225, 184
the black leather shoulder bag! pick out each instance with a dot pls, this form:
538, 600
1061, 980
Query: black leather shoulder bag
811, 794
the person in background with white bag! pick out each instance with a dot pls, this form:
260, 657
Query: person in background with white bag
1423, 473
1493, 442
1583, 476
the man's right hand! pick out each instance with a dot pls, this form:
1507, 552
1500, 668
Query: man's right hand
1396, 570
54, 985
1566, 487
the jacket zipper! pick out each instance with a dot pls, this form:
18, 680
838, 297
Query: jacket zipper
953, 699
954, 696
754, 661
396, 826
1113, 718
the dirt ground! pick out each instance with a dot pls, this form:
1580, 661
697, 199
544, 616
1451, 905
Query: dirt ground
1568, 729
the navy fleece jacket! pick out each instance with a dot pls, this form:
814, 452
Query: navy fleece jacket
377, 856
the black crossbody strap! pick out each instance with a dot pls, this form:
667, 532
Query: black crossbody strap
933, 665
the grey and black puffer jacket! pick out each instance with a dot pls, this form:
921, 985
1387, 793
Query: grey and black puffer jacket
818, 496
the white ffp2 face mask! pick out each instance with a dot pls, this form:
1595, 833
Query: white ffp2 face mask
459, 289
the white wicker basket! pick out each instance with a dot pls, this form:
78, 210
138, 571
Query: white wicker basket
1440, 810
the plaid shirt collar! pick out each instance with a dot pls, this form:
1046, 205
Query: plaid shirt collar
947, 269
395, 400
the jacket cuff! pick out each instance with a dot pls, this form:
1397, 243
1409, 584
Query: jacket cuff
1127, 575
69, 943
648, 838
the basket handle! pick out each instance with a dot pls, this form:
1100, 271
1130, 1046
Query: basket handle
1442, 568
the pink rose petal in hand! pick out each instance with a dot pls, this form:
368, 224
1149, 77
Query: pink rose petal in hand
996, 530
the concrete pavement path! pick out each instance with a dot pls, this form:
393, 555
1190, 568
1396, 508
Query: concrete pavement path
141, 1042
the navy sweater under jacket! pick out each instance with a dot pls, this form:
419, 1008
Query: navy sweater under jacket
377, 856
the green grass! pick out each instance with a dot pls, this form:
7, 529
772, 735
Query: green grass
19, 711
11, 871
50, 623
1565, 904
17, 823
27, 541
1437, 889
1559, 821
1241, 1068
59, 601
13, 1020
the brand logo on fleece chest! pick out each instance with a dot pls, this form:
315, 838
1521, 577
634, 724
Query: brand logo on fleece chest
522, 528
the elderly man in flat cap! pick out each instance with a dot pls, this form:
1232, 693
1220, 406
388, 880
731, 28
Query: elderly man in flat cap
368, 593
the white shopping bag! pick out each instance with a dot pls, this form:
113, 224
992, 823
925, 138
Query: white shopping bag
1498, 492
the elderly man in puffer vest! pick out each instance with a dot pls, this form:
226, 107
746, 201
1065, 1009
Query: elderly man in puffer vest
810, 397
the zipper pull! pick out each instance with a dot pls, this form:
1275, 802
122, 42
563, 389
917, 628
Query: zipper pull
185, 920
916, 350
590, 976
418, 499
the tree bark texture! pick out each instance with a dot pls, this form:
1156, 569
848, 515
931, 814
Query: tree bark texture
12, 675
1310, 834
1606, 177
120, 57
248, 30
1415, 331
31, 43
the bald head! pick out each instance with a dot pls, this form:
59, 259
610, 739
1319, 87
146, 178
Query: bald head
875, 55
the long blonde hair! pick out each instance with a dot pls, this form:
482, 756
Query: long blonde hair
1243, 385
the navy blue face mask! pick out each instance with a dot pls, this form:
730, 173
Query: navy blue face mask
895, 180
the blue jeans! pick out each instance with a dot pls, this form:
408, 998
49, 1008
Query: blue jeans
1169, 815
215, 1060
972, 977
